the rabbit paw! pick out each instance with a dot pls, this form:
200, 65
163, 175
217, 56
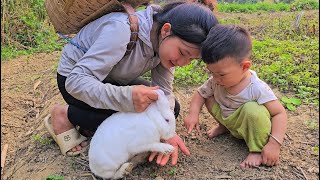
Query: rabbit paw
124, 170
167, 149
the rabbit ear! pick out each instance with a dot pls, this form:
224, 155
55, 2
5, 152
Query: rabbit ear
159, 92
162, 99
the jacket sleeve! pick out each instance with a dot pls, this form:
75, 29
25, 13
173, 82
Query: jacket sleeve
163, 77
85, 80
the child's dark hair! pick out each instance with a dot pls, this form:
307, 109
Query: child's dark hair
189, 21
226, 41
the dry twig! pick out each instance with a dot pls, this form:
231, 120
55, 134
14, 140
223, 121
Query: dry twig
304, 175
3, 156
9, 125
289, 137
81, 162
223, 177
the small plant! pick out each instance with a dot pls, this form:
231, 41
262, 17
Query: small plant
153, 175
73, 163
312, 124
290, 103
315, 150
253, 7
192, 74
43, 141
299, 5
172, 171
54, 177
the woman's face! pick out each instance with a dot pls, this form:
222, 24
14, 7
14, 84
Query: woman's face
174, 51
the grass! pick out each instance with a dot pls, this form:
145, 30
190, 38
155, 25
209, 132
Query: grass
312, 124
248, 8
192, 74
289, 65
55, 177
10, 52
26, 29
297, 5
41, 140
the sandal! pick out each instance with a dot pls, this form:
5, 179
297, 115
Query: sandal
66, 140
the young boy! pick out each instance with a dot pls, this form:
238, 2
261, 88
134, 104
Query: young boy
240, 102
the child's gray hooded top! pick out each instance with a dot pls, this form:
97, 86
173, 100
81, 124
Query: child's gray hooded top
106, 40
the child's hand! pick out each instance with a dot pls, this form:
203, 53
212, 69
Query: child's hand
192, 121
270, 154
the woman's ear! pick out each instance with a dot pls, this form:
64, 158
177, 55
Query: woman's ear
165, 30
246, 64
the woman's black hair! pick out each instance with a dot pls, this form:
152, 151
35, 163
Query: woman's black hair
226, 41
189, 21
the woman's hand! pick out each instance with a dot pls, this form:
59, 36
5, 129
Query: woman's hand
177, 143
271, 153
143, 96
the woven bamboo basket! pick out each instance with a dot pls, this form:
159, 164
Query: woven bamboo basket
69, 16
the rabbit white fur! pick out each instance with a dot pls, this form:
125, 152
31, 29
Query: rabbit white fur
124, 135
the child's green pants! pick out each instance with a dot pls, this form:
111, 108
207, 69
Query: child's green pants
250, 122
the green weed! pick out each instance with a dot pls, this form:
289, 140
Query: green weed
153, 175
288, 66
290, 103
312, 124
172, 171
10, 52
249, 8
55, 66
315, 150
54, 177
192, 74
42, 140
297, 5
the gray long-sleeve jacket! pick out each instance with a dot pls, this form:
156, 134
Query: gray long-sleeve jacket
106, 40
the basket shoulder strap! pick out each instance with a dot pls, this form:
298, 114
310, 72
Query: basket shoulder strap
134, 26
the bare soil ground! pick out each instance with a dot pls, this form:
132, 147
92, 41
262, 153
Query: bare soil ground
28, 89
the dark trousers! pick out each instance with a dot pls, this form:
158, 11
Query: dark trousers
87, 117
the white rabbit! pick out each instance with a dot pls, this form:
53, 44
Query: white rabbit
124, 135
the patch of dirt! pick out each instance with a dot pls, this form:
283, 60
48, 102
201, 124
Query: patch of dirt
28, 89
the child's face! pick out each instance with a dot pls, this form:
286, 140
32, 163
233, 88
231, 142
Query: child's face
228, 72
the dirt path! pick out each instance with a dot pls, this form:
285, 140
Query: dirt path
28, 89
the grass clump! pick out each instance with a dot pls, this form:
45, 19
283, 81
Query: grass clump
296, 5
25, 29
289, 65
193, 74
249, 8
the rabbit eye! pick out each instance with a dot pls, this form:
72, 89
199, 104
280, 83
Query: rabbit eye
167, 120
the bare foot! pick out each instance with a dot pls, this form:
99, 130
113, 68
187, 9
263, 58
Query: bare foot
253, 159
216, 131
60, 123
